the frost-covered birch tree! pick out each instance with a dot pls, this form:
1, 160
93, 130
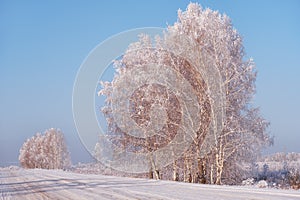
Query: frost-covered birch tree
47, 151
194, 82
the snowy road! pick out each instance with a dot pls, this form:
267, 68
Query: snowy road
52, 184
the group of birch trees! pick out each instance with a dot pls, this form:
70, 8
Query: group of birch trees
199, 40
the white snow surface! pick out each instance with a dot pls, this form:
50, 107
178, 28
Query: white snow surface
17, 183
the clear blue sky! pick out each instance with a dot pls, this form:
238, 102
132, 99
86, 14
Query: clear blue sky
43, 43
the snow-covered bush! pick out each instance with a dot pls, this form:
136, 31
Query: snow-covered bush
249, 181
47, 151
294, 179
262, 184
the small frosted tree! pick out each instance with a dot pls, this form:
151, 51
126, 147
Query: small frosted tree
47, 151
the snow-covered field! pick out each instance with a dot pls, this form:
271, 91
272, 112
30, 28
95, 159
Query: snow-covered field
16, 183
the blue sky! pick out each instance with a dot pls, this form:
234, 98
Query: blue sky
42, 45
